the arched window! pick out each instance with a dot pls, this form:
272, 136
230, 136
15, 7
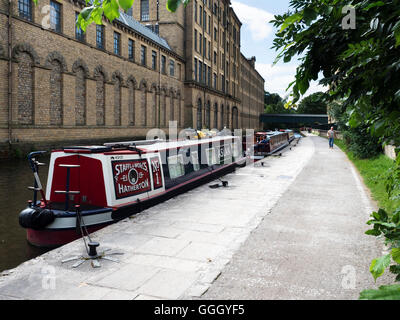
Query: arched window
117, 101
208, 110
131, 102
25, 88
235, 118
143, 90
172, 109
222, 116
155, 115
80, 97
56, 96
216, 115
164, 108
199, 115
100, 98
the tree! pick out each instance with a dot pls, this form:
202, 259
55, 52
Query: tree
360, 63
313, 104
275, 104
95, 9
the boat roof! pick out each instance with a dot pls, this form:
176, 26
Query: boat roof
142, 146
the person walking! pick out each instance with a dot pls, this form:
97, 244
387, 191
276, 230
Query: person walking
331, 136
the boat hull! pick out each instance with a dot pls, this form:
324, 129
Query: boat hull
66, 231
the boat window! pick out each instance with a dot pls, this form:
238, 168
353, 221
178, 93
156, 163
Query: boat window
236, 151
211, 156
176, 166
195, 160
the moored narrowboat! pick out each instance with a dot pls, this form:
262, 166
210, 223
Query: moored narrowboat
104, 184
270, 142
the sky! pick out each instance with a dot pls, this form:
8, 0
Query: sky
257, 36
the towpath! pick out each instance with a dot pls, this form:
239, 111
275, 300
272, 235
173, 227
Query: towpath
292, 228
311, 245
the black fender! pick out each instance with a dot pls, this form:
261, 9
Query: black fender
35, 218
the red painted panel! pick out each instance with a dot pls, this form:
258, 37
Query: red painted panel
88, 179
131, 177
156, 169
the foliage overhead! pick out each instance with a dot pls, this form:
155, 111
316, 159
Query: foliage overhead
360, 65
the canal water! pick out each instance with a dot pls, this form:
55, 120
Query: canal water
15, 177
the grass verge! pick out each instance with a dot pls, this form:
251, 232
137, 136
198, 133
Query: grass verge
374, 172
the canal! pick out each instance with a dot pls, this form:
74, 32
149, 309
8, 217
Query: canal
15, 177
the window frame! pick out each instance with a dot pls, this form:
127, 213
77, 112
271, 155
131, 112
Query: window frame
22, 13
57, 27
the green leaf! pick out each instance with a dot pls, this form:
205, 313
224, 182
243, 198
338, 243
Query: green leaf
309, 15
172, 5
291, 20
86, 12
126, 4
111, 9
375, 4
391, 292
396, 255
379, 265
373, 232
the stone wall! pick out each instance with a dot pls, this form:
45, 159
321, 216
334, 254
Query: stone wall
390, 151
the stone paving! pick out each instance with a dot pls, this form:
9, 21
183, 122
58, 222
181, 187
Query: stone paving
175, 250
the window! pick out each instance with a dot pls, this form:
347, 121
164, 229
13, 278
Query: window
211, 156
172, 68
144, 10
100, 36
79, 34
215, 57
195, 40
201, 41
195, 11
117, 43
25, 9
143, 55
163, 65
215, 81
215, 34
131, 50
195, 160
201, 15
154, 60
209, 76
200, 71
195, 69
55, 16
175, 166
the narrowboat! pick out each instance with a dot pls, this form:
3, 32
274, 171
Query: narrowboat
106, 183
270, 142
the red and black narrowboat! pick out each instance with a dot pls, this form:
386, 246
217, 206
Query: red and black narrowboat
104, 184
270, 142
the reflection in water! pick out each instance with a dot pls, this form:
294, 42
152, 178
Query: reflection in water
15, 177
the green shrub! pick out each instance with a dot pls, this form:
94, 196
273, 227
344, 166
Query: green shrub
360, 142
